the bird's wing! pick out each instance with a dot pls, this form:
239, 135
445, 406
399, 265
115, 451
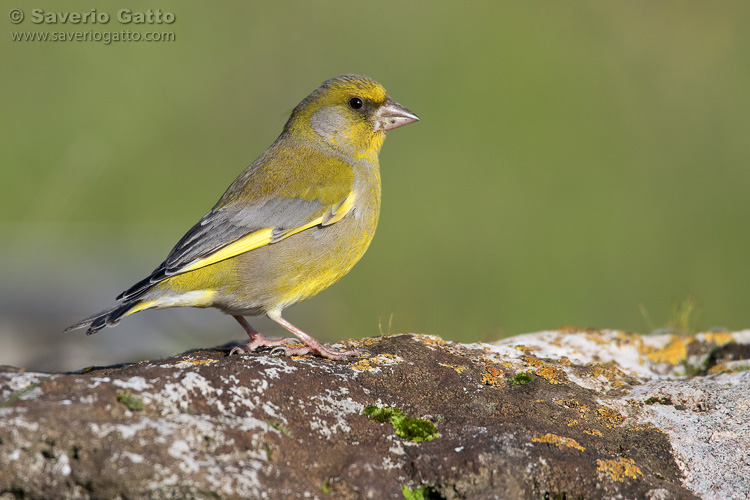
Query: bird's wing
246, 218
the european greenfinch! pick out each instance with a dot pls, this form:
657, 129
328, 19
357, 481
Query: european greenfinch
290, 225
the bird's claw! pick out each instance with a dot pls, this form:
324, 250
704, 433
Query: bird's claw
238, 350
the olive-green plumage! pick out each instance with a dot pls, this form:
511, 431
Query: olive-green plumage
292, 224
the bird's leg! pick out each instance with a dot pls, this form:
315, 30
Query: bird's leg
256, 339
311, 345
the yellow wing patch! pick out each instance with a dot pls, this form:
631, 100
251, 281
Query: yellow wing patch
265, 236
252, 241
336, 213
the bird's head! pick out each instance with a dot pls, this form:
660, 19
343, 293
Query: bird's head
350, 112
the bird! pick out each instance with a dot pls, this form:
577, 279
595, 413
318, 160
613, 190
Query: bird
290, 225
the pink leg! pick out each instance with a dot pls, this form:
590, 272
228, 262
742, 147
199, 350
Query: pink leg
311, 345
256, 339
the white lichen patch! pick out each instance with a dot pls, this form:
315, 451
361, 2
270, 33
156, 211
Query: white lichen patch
88, 399
272, 410
390, 464
189, 364
397, 445
276, 366
201, 445
133, 457
196, 450
634, 355
97, 381
704, 417
245, 423
14, 417
134, 383
373, 364
176, 396
62, 466
180, 449
13, 382
21, 385
242, 396
579, 347
330, 412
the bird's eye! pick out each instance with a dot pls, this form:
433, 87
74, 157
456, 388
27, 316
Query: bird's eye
355, 103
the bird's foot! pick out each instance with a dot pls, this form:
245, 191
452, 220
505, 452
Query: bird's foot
308, 344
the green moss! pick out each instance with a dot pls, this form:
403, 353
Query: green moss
132, 403
423, 493
384, 414
279, 427
417, 494
520, 378
409, 428
326, 487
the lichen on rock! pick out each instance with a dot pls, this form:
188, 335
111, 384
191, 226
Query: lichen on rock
568, 413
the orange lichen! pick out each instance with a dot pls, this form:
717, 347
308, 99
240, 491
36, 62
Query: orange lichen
552, 374
373, 362
673, 353
719, 368
597, 339
370, 341
573, 404
526, 349
533, 362
620, 469
196, 362
609, 371
592, 432
609, 417
457, 368
431, 341
646, 428
559, 441
492, 376
718, 338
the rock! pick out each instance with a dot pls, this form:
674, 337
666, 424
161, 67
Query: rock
554, 415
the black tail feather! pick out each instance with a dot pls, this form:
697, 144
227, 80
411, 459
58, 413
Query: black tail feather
108, 317
139, 288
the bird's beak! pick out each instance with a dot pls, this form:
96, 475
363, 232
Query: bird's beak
392, 115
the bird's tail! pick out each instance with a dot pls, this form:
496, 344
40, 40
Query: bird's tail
108, 317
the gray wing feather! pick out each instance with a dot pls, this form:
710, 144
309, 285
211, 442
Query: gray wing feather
225, 225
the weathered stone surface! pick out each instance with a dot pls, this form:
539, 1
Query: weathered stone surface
604, 414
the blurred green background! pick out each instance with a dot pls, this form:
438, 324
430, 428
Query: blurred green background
576, 163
